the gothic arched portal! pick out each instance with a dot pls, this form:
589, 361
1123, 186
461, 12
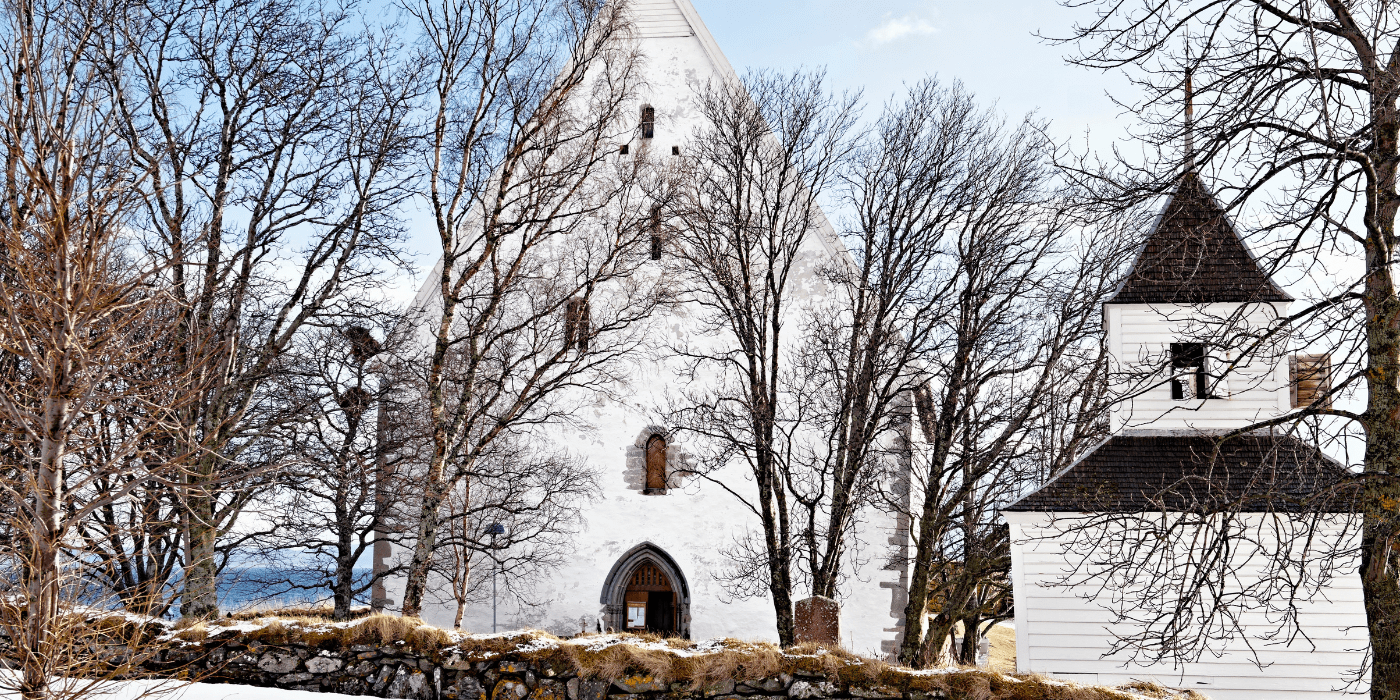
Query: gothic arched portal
645, 590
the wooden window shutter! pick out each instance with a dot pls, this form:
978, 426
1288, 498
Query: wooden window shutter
1310, 380
648, 577
656, 464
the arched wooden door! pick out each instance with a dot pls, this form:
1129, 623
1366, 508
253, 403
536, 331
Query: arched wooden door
651, 601
646, 591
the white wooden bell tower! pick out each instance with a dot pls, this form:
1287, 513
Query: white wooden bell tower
1183, 330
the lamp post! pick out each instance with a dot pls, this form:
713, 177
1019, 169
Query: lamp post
494, 529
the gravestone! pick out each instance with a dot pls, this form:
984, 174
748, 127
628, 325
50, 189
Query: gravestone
818, 620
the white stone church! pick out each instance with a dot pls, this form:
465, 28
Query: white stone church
649, 547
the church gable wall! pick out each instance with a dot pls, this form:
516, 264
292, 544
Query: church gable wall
696, 521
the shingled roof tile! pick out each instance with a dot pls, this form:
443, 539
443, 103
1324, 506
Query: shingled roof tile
1137, 473
1194, 256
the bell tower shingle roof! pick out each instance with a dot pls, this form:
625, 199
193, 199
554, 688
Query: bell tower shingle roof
1194, 256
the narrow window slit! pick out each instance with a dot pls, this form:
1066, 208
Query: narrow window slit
655, 227
656, 464
576, 325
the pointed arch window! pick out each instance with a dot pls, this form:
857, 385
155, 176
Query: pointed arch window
577, 324
656, 464
648, 122
654, 226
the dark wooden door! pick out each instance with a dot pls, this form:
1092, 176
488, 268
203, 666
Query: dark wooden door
661, 613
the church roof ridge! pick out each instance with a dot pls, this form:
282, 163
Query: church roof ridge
1194, 255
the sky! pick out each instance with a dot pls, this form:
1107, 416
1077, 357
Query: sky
880, 45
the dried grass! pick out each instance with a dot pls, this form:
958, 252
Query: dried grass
371, 630
699, 667
1002, 656
323, 613
736, 660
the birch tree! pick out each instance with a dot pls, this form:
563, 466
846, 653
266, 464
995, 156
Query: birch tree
268, 139
81, 314
513, 527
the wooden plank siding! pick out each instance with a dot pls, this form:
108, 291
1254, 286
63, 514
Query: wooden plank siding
1140, 336
1064, 631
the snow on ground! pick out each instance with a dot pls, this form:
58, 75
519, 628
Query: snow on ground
131, 690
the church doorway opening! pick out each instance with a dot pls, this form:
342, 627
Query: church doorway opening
646, 592
651, 604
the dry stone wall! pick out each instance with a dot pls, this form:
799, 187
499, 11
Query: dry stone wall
393, 672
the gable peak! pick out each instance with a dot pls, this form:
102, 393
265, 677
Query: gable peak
1193, 255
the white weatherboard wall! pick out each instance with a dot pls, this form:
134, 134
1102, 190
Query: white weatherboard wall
1139, 341
1067, 631
696, 520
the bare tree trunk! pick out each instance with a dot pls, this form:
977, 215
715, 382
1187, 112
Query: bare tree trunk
911, 652
776, 537
200, 598
42, 572
1380, 544
424, 543
383, 497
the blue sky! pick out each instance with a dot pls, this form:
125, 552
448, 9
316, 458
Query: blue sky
880, 44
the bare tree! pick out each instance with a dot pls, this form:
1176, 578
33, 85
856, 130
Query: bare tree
766, 149
975, 288
130, 548
514, 525
1296, 111
80, 314
541, 228
269, 140
322, 519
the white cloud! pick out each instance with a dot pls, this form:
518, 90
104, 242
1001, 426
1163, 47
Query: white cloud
896, 28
